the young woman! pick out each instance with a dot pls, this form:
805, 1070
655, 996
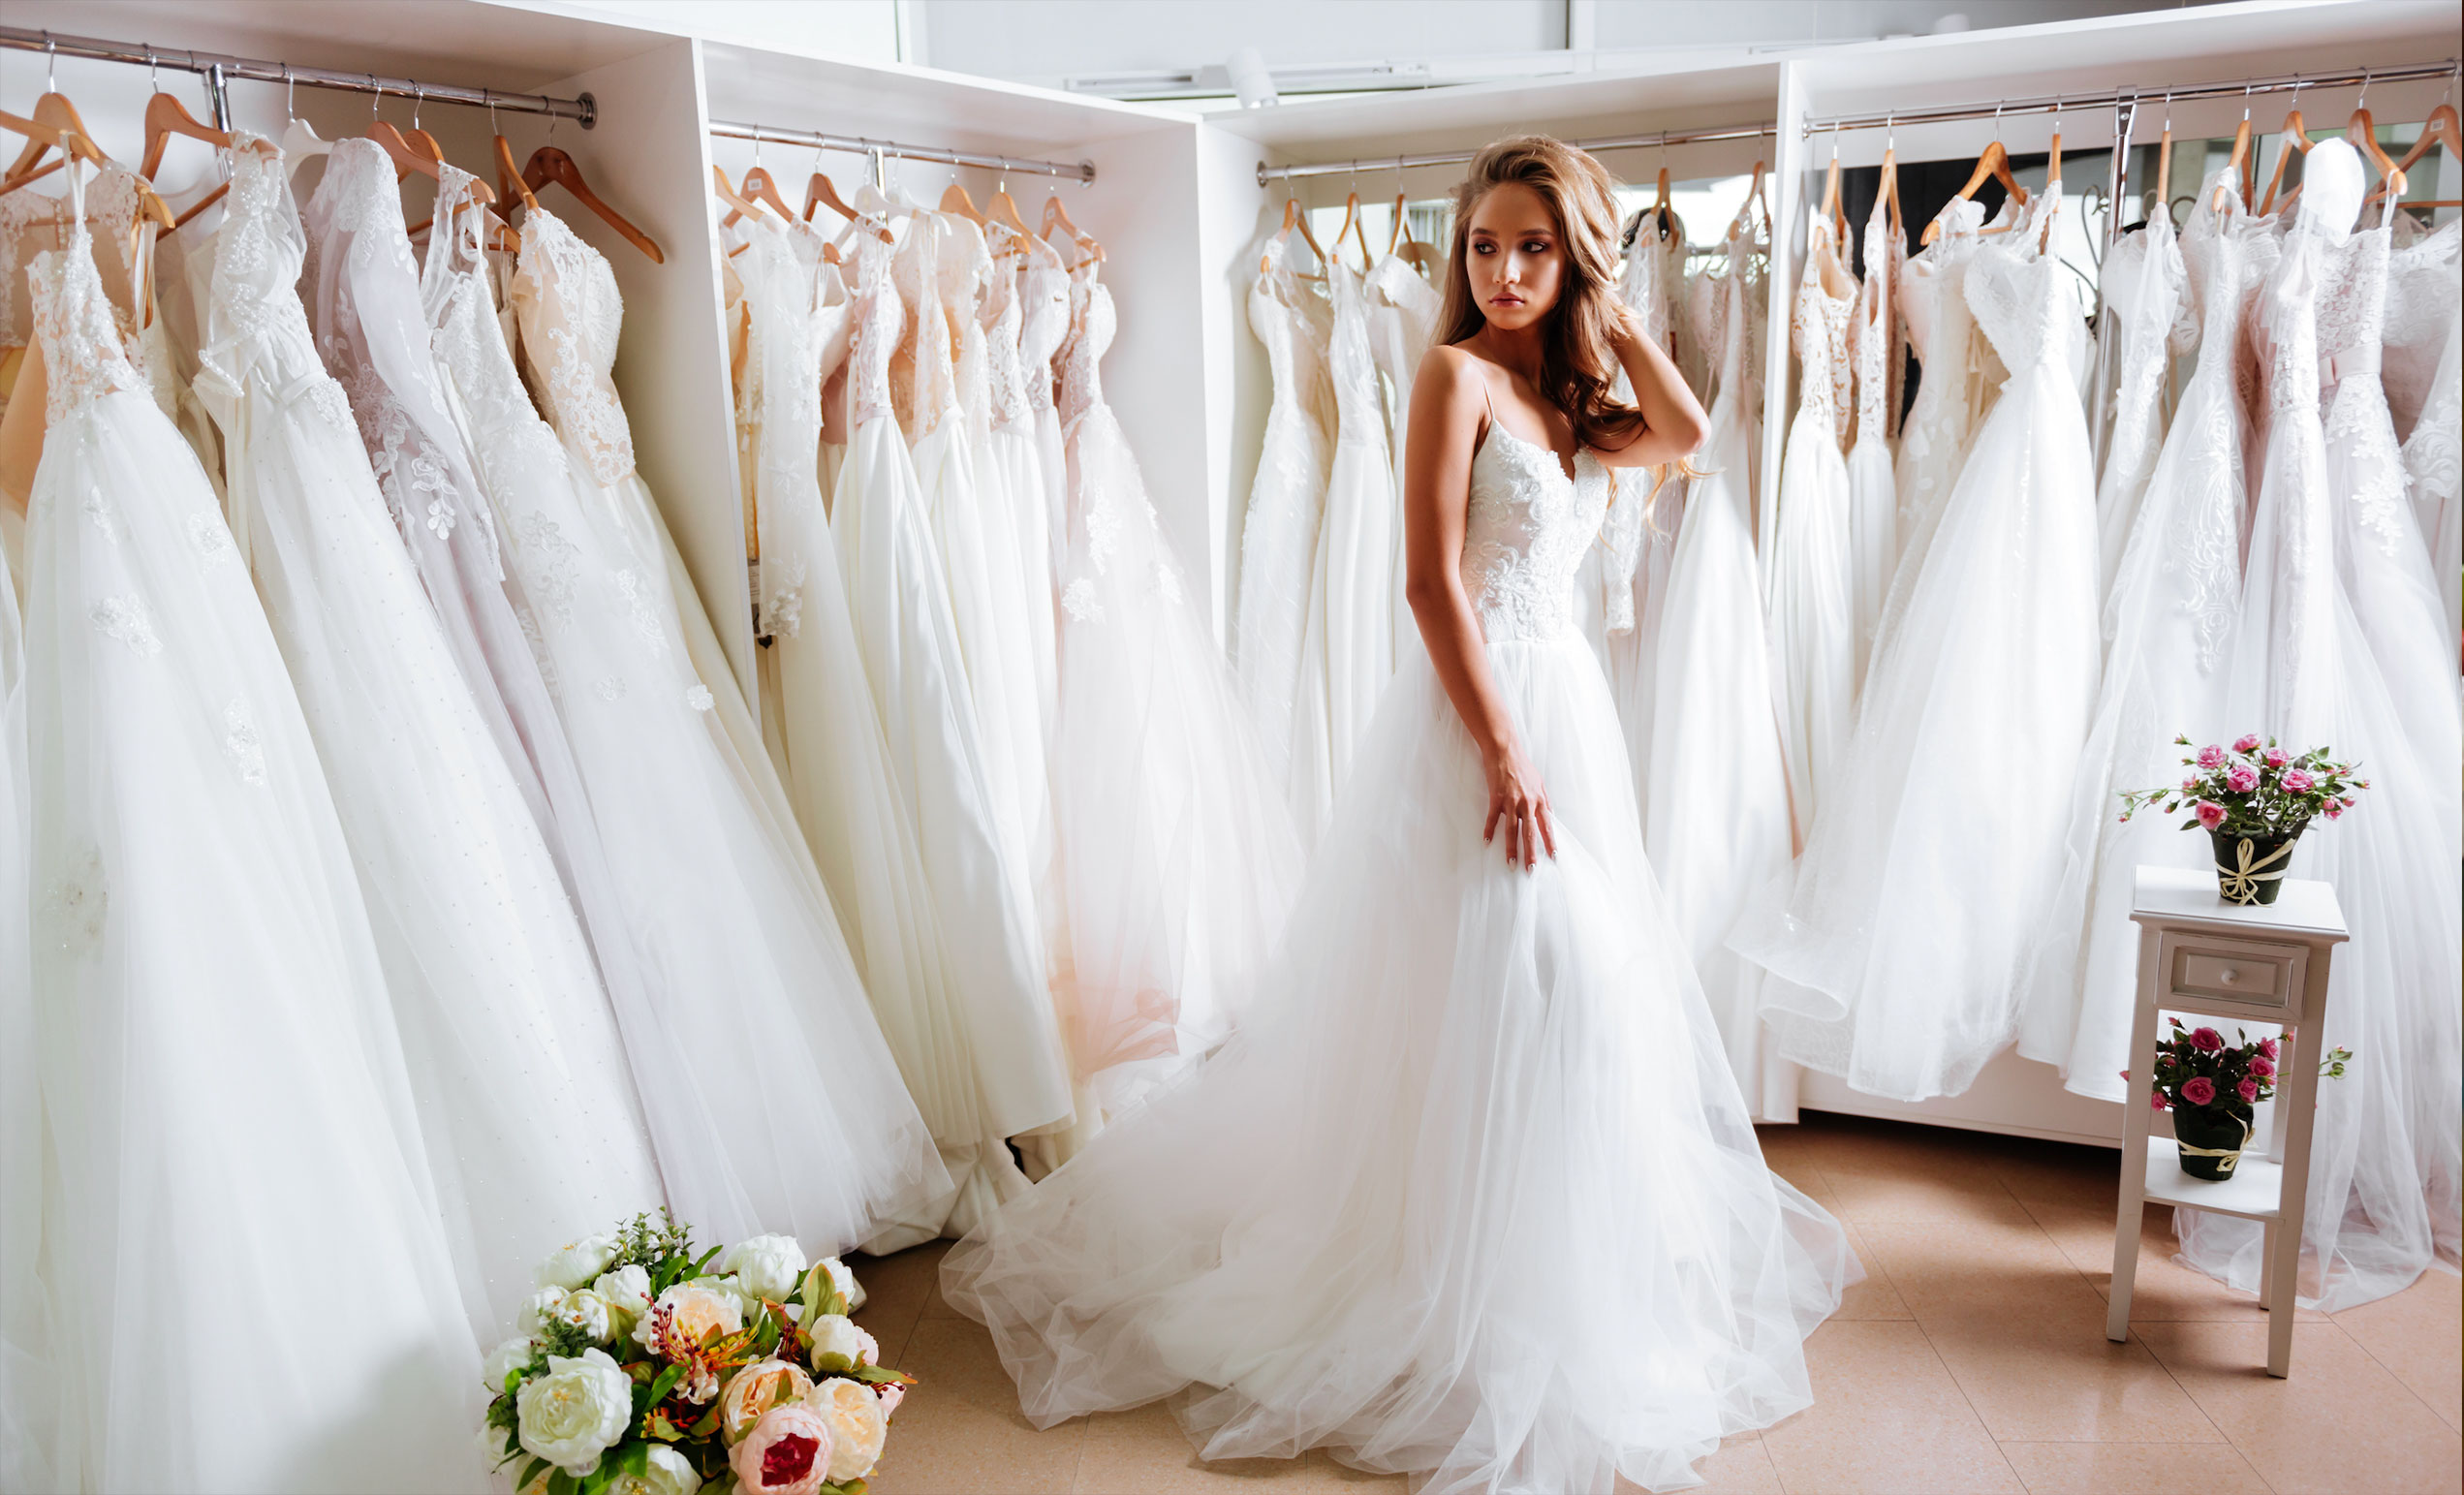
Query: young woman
1472, 1194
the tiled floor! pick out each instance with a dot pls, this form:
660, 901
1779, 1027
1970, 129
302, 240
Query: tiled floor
1972, 1359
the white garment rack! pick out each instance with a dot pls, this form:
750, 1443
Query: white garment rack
1082, 171
217, 69
2054, 104
1268, 173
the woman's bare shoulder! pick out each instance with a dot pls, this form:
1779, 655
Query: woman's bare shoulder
1453, 373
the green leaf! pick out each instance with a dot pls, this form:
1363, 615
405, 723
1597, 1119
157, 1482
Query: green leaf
634, 1459
665, 1383
832, 1363
875, 1375
531, 1472
562, 1483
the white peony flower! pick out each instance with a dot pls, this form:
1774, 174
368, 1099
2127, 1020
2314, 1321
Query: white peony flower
572, 1266
836, 1334
857, 1426
576, 1411
766, 1266
502, 1361
729, 1288
627, 1291
538, 1310
845, 1282
667, 1474
589, 1313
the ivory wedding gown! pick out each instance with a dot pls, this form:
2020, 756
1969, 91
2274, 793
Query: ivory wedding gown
2425, 348
513, 1050
1403, 313
27, 1390
1010, 455
249, 1286
772, 1100
2144, 285
1996, 657
1873, 488
1653, 284
1470, 1192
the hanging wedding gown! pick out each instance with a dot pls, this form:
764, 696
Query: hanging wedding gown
1403, 313
1714, 790
1178, 856
1470, 1192
2145, 296
512, 1047
250, 1288
1653, 284
1350, 628
2342, 642
1279, 538
1813, 632
909, 641
1010, 455
2425, 343
28, 1389
1873, 488
750, 1026
2170, 612
1044, 298
1996, 656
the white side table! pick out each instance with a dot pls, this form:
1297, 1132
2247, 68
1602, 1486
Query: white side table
2200, 954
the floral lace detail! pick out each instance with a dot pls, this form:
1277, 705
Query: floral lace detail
1818, 329
1938, 424
549, 576
565, 292
124, 616
1526, 530
1080, 601
440, 517
1168, 584
1043, 301
2352, 301
2145, 285
210, 537
609, 687
642, 605
528, 622
919, 267
783, 598
244, 744
699, 698
83, 356
880, 319
20, 212
2432, 460
99, 512
76, 903
1873, 341
1004, 319
1360, 409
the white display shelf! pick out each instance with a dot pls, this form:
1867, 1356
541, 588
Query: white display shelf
2255, 1192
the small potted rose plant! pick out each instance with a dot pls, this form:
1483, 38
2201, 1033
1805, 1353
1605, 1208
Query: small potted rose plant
2254, 801
2212, 1089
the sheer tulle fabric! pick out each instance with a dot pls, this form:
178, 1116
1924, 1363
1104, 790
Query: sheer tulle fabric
773, 1101
1993, 658
28, 1417
223, 1085
2153, 321
512, 1047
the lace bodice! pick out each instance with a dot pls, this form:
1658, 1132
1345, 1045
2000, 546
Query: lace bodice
922, 267
966, 266
1295, 325
1003, 320
84, 356
570, 314
468, 339
877, 319
1091, 328
1525, 533
2424, 283
22, 214
1873, 341
2022, 301
1360, 411
1043, 320
1819, 326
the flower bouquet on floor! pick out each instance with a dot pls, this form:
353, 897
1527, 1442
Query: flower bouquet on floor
2254, 801
643, 1369
2212, 1090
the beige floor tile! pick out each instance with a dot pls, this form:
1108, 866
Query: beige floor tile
896, 1287
1874, 1190
2046, 1373
1887, 1418
1875, 1297
2339, 1423
1326, 1476
2419, 1335
2062, 1173
2133, 1469
959, 1431
1146, 1452
1808, 1178
1742, 1466
1991, 1263
2162, 1289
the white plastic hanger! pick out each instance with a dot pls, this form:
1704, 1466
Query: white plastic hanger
299, 141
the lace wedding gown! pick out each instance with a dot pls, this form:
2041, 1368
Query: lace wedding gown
1279, 538
1010, 455
512, 1047
1812, 630
2426, 345
1997, 655
1178, 856
28, 1422
1873, 487
235, 1146
1470, 1192
2144, 285
2341, 643
2170, 612
1713, 789
749, 1024
1653, 284
1403, 313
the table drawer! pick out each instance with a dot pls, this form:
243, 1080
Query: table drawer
2205, 968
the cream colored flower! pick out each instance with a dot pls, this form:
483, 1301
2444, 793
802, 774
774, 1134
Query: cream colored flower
667, 1474
574, 1412
839, 1345
573, 1263
766, 1266
755, 1390
857, 1426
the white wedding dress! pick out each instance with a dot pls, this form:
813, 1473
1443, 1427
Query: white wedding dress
1653, 284
2342, 643
1812, 628
1403, 313
1470, 1193
512, 1047
2153, 323
1873, 486
1178, 856
1008, 457
749, 1025
1996, 656
2424, 353
2169, 611
236, 1151
28, 1392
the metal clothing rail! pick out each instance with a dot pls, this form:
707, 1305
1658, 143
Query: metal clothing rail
1268, 173
2056, 104
1083, 171
218, 68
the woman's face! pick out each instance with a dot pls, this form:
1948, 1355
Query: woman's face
1515, 255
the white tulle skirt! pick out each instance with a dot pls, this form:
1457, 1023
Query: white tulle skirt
1472, 1193
1812, 622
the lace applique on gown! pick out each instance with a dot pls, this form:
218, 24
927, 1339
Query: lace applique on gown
1873, 487
2153, 323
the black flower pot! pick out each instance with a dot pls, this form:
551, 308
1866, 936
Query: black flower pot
2251, 869
2218, 1132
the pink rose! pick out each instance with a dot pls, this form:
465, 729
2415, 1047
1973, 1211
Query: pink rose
2190, 786
2275, 758
2242, 779
2206, 1040
2156, 1098
2267, 1046
2198, 1090
2335, 809
2297, 782
2262, 1066
2210, 814
2247, 742
2211, 755
2248, 1090
787, 1453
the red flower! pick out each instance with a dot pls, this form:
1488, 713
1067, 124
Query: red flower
2262, 1066
2248, 1090
2206, 1040
2198, 1090
2267, 1046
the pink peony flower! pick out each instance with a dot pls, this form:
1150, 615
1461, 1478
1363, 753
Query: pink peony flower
2262, 1066
2206, 1040
2275, 758
2297, 782
2198, 1090
2211, 756
2247, 742
787, 1453
2242, 779
2210, 814
2267, 1046
2248, 1090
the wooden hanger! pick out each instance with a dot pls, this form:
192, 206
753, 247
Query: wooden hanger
1830, 200
1355, 223
956, 202
1745, 209
1891, 196
548, 165
1401, 244
508, 181
1002, 209
727, 193
1054, 212
757, 185
820, 192
2296, 138
2441, 128
54, 110
1294, 218
2052, 185
2238, 159
46, 137
1994, 165
2165, 163
2362, 132
165, 117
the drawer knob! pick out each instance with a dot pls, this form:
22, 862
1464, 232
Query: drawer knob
2229, 975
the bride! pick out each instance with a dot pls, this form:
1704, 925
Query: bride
1472, 1194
